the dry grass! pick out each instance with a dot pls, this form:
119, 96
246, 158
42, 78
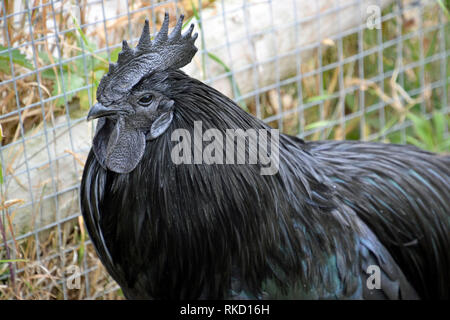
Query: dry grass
29, 89
44, 263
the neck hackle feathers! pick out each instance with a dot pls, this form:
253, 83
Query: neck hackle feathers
174, 50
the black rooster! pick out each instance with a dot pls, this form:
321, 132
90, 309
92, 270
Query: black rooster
338, 220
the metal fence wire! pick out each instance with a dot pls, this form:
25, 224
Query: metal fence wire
374, 70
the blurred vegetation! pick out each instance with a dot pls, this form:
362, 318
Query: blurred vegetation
391, 109
325, 116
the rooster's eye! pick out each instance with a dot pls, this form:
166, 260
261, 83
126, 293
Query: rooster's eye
146, 100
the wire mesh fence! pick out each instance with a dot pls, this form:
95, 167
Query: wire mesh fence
373, 70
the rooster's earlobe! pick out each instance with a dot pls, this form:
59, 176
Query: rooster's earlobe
160, 125
163, 121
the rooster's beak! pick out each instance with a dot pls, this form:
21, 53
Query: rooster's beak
98, 111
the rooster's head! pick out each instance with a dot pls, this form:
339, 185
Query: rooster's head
133, 106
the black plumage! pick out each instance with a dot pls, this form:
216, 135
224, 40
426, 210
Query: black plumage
169, 231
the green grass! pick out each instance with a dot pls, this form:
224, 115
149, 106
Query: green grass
1, 164
427, 122
13, 260
430, 134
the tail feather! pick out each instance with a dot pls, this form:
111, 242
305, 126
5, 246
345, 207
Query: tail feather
401, 193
